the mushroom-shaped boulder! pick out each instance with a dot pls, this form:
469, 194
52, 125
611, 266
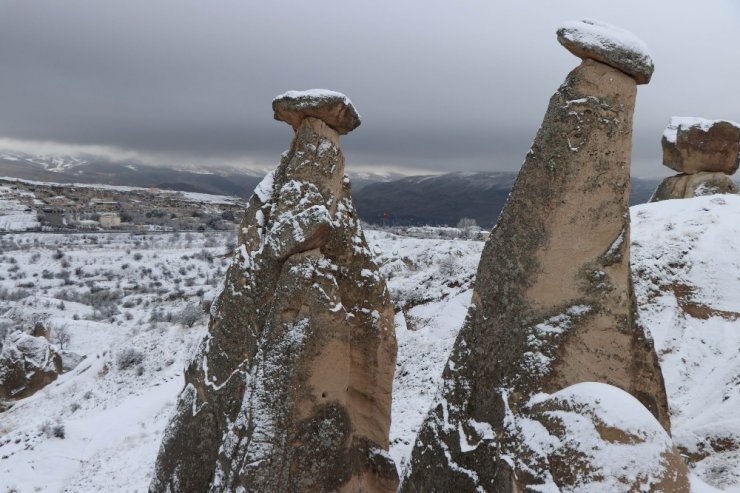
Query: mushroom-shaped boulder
691, 145
333, 108
608, 44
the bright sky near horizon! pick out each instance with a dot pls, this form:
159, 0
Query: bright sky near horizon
441, 85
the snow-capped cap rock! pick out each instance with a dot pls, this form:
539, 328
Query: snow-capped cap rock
692, 144
608, 44
333, 108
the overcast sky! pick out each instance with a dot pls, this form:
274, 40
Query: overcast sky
441, 85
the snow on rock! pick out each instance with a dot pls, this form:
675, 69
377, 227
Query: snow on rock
333, 108
686, 122
593, 437
608, 44
692, 145
686, 264
27, 364
312, 96
263, 191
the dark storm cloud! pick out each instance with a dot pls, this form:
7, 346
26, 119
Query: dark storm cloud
441, 85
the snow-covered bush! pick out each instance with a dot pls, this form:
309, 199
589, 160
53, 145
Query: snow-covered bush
13, 295
189, 315
129, 358
52, 429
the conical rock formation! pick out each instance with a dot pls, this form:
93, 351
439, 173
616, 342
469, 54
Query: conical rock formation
553, 303
290, 390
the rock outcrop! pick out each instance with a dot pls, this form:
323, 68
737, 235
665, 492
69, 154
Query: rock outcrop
553, 304
691, 145
333, 108
704, 152
27, 364
290, 390
686, 186
596, 437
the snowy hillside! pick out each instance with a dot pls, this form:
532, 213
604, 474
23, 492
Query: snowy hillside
125, 299
686, 260
121, 297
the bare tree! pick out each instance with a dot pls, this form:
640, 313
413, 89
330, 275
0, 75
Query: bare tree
467, 227
61, 336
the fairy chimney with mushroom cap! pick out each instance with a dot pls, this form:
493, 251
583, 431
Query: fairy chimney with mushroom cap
704, 152
553, 308
290, 390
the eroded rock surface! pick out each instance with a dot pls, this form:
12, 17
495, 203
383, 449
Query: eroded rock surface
27, 364
553, 304
695, 185
290, 390
692, 145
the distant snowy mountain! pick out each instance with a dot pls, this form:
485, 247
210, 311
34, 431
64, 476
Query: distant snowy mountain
56, 163
95, 169
380, 197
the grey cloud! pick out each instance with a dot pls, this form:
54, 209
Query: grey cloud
441, 85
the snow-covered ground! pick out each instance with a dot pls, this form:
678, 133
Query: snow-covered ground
687, 273
431, 284
114, 293
686, 261
14, 215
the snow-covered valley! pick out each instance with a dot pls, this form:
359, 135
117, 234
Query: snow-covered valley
133, 306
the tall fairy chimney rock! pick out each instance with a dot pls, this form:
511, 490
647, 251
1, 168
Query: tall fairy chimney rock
704, 152
550, 340
290, 390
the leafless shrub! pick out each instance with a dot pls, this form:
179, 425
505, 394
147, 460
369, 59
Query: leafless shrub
189, 315
128, 358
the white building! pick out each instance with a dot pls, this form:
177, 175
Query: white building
109, 220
